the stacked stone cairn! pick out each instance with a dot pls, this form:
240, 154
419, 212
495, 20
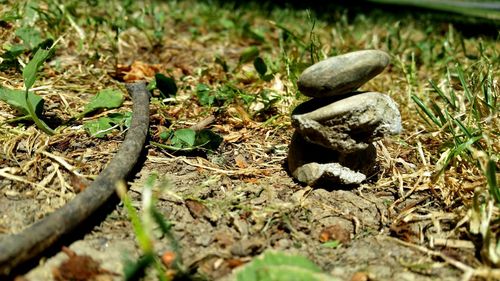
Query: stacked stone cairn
335, 130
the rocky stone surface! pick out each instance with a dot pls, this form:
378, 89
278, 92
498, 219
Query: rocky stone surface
315, 165
350, 124
342, 74
333, 141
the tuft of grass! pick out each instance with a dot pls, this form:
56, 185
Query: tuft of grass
144, 224
467, 119
463, 110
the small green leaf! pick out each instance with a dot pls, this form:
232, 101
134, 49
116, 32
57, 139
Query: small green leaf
107, 98
189, 140
183, 138
151, 85
104, 125
98, 128
276, 266
30, 70
121, 118
166, 85
260, 66
165, 135
15, 98
203, 92
30, 36
249, 54
331, 244
207, 139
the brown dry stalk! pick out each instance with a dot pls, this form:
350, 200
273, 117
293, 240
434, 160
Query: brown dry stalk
203, 123
468, 271
18, 248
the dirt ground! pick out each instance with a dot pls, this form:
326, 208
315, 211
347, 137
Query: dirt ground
228, 213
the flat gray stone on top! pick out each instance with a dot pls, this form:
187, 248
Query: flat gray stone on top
342, 74
350, 124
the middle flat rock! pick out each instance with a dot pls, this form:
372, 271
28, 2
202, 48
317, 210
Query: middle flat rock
342, 74
349, 124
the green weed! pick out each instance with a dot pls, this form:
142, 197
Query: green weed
144, 224
462, 116
28, 33
29, 75
31, 105
281, 267
104, 126
189, 140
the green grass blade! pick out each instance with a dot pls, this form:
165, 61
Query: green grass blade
442, 94
466, 131
166, 229
139, 230
487, 88
160, 271
462, 128
292, 35
466, 145
492, 180
132, 270
457, 150
461, 77
438, 112
426, 110
423, 116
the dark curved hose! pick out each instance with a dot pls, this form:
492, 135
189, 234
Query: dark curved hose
18, 248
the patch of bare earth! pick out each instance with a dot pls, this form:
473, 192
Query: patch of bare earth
224, 214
